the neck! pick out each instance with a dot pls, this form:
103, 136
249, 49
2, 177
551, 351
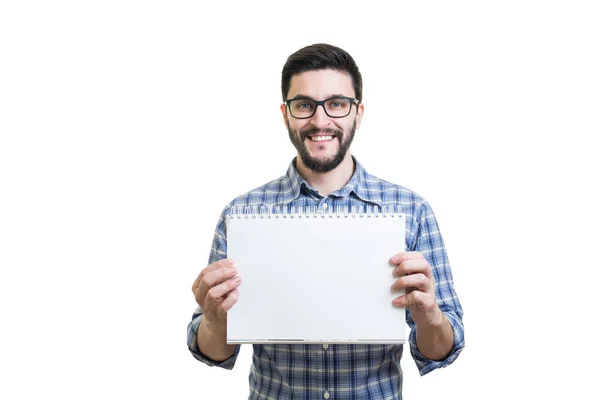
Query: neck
327, 182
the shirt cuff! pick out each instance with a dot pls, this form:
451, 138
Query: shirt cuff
424, 364
193, 346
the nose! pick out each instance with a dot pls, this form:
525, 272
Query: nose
320, 119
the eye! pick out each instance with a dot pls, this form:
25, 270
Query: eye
303, 105
337, 103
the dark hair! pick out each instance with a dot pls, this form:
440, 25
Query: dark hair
320, 56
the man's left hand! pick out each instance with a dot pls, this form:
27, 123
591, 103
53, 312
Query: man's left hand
415, 276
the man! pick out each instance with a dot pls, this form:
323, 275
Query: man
322, 93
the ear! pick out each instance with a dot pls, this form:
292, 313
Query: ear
284, 113
359, 115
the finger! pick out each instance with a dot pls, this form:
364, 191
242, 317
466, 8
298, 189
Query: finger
414, 266
230, 300
215, 293
210, 280
226, 262
216, 277
407, 255
408, 300
416, 281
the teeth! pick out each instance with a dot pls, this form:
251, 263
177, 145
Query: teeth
321, 138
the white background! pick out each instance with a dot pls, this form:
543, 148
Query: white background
126, 126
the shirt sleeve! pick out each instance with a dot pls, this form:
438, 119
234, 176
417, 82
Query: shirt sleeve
218, 252
193, 345
427, 239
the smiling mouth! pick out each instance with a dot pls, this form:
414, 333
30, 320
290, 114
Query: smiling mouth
320, 138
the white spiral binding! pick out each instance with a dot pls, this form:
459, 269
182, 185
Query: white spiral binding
264, 211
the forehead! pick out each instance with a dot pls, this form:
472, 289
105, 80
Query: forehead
321, 84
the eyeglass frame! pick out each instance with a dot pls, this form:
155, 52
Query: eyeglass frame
322, 104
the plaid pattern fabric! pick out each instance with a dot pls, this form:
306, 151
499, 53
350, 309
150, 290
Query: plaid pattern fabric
342, 371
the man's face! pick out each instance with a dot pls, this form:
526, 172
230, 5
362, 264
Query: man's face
322, 141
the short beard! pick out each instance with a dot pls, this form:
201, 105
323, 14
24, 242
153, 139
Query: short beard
321, 166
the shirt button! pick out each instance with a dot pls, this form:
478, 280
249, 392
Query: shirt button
325, 346
326, 395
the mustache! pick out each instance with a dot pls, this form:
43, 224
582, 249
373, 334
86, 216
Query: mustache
305, 133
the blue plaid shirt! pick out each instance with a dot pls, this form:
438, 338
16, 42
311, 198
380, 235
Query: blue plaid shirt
342, 371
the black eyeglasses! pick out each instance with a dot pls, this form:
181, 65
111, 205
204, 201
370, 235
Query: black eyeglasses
335, 107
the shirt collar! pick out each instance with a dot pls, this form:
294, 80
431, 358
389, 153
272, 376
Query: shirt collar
358, 185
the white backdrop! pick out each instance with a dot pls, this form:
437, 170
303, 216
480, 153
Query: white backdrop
125, 130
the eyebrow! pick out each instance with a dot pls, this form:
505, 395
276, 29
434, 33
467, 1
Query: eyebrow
305, 97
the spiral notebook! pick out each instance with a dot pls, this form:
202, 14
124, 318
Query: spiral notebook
315, 276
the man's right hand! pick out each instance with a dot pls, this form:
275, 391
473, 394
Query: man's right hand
215, 290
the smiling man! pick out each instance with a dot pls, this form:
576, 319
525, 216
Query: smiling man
322, 93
